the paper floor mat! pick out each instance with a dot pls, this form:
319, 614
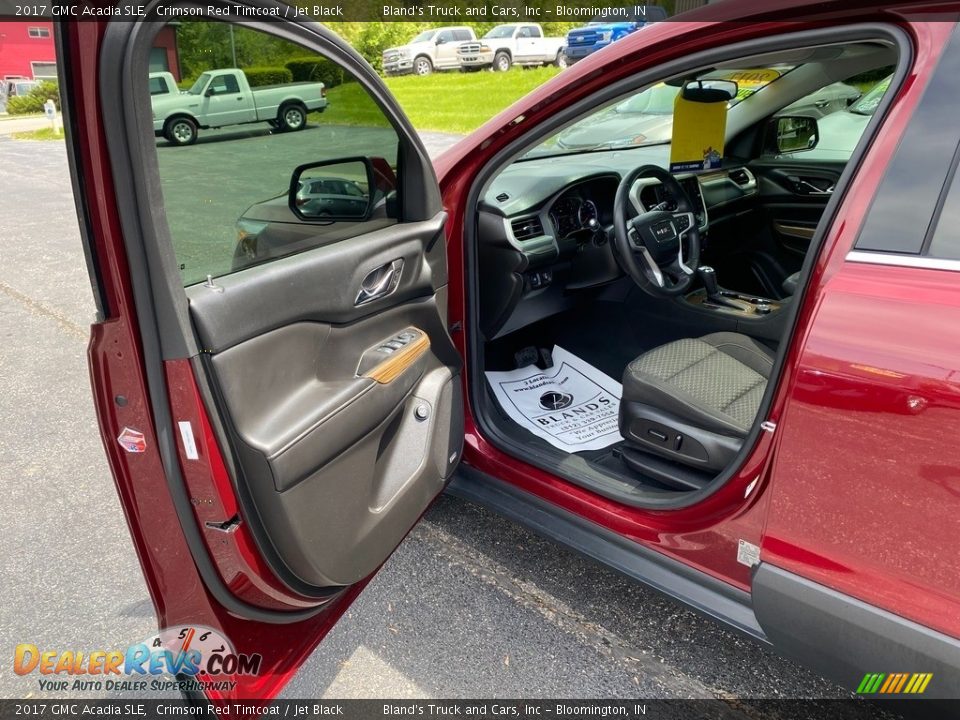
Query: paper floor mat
573, 406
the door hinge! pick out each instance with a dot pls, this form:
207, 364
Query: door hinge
768, 425
748, 554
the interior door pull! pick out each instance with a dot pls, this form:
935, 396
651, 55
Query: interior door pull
380, 282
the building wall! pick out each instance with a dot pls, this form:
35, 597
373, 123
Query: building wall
165, 47
18, 50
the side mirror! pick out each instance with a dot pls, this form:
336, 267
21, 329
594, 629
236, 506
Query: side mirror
208, 92
441, 41
792, 133
334, 190
710, 91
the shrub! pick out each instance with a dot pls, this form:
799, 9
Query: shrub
315, 69
259, 76
33, 101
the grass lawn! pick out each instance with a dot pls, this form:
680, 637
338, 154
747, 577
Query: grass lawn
41, 134
451, 102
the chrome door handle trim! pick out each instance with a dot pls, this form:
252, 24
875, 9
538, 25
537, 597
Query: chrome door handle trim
380, 282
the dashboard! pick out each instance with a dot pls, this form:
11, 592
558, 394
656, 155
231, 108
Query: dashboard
545, 229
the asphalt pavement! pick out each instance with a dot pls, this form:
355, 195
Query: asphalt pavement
470, 605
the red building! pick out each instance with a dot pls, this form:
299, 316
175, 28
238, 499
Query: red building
27, 50
164, 55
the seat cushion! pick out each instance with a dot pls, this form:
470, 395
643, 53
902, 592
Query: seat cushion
715, 382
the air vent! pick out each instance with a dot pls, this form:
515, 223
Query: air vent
741, 177
526, 228
502, 197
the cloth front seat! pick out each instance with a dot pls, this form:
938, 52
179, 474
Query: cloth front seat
694, 400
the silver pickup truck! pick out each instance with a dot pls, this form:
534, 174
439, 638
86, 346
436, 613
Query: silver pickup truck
220, 98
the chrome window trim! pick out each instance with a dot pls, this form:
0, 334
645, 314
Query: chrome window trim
913, 261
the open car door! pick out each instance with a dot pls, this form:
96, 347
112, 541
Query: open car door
277, 392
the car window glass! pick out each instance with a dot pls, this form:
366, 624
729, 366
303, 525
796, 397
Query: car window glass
224, 85
225, 175
945, 242
534, 32
158, 86
843, 110
646, 117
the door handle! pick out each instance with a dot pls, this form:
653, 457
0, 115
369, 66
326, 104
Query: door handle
805, 187
380, 282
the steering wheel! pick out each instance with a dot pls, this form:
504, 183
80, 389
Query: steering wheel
650, 246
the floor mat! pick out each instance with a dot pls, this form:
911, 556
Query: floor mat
573, 406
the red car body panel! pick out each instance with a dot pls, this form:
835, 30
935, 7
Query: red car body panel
872, 512
704, 536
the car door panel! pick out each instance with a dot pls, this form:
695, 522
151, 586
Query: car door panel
324, 422
280, 460
791, 197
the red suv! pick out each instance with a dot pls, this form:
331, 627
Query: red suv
739, 385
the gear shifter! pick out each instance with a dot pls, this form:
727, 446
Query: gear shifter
708, 276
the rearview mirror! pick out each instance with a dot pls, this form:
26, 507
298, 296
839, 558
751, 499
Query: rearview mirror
333, 190
710, 91
792, 133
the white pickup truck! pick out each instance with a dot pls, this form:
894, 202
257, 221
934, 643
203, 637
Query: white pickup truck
512, 44
224, 97
433, 49
163, 83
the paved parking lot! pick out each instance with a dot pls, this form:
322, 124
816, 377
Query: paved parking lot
470, 605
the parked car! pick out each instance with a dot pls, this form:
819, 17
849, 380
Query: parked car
434, 49
781, 454
221, 98
647, 117
18, 86
163, 83
512, 44
607, 29
840, 131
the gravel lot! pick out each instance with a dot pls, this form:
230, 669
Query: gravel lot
470, 605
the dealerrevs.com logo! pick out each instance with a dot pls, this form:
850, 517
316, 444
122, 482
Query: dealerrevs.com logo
203, 658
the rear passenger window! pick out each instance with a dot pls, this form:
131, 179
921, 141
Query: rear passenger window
945, 241
231, 196
158, 86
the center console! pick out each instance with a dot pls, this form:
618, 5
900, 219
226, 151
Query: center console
714, 298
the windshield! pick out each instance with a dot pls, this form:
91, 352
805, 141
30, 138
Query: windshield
646, 118
500, 31
867, 105
200, 84
424, 36
658, 100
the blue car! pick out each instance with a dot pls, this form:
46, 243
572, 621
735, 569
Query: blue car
607, 29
